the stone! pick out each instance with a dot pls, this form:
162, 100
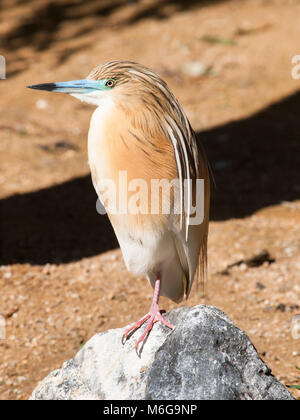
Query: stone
205, 357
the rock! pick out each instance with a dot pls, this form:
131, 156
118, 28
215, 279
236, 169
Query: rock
205, 357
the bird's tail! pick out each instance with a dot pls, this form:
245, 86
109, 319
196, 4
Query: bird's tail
205, 173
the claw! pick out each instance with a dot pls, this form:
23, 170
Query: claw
134, 327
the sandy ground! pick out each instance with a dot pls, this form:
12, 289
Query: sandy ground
62, 276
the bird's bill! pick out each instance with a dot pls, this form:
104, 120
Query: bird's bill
73, 86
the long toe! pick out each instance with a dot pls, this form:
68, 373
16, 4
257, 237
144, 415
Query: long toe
134, 327
159, 317
143, 337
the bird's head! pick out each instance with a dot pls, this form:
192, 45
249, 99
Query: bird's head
124, 80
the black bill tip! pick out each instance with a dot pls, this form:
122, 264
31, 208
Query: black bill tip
44, 86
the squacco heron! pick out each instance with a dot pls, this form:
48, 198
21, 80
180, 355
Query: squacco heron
139, 128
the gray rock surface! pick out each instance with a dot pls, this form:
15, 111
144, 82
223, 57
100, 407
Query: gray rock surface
205, 357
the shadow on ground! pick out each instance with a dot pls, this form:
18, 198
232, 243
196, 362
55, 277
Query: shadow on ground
57, 22
255, 161
39, 29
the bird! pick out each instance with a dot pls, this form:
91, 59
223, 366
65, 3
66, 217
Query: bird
139, 129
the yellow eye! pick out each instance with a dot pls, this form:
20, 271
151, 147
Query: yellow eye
110, 83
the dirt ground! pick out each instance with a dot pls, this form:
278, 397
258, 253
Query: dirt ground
62, 275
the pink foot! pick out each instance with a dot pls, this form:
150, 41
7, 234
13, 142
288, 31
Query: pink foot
154, 315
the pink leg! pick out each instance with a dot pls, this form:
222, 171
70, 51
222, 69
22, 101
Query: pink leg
154, 315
